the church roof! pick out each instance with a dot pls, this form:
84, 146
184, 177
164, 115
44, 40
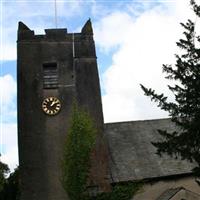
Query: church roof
133, 157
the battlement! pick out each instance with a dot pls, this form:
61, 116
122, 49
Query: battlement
56, 33
25, 33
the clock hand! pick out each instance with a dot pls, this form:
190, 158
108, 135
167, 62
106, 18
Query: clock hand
52, 103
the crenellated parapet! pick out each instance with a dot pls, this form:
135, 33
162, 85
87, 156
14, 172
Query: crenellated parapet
83, 42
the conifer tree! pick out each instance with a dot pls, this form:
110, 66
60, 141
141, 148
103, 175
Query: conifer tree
185, 110
4, 170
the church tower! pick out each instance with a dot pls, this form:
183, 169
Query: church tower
53, 70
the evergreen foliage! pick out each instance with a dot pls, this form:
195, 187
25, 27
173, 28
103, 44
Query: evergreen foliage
76, 163
185, 110
3, 171
10, 189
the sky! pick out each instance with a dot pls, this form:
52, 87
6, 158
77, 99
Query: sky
133, 39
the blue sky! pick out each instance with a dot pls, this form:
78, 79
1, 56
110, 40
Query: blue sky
133, 40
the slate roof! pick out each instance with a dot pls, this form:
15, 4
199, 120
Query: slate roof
132, 156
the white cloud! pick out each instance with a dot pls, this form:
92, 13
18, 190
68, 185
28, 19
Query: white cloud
143, 46
11, 158
9, 142
8, 97
8, 89
8, 52
111, 31
8, 131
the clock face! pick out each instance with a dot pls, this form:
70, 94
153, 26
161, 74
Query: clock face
51, 105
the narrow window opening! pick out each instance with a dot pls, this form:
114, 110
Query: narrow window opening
50, 75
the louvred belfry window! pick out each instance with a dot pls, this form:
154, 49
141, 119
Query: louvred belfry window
50, 75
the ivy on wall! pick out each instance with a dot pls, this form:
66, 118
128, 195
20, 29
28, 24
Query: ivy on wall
76, 163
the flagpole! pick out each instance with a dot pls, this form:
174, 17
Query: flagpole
56, 24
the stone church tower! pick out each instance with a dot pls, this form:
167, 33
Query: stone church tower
53, 70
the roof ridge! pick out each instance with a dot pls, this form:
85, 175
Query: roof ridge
145, 120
